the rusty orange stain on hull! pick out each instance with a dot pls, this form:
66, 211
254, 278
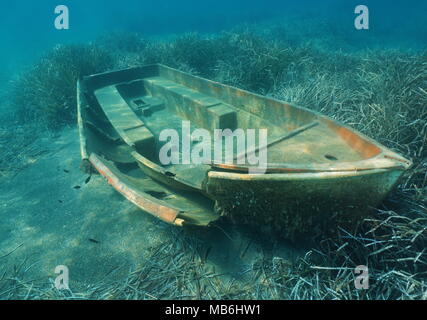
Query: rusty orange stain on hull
138, 198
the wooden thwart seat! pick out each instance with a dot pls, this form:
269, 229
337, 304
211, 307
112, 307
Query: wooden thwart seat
124, 120
208, 112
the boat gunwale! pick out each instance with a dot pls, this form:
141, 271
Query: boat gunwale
80, 124
382, 161
323, 175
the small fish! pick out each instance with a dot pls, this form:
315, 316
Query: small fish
93, 240
88, 179
66, 171
60, 201
76, 187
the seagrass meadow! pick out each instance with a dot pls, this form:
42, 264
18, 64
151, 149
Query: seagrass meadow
380, 91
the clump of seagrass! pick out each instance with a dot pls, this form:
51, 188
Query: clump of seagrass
253, 63
119, 41
47, 92
242, 59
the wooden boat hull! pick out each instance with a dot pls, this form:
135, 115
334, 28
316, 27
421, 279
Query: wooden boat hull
307, 203
320, 173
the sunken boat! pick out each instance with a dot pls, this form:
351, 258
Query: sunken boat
318, 174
